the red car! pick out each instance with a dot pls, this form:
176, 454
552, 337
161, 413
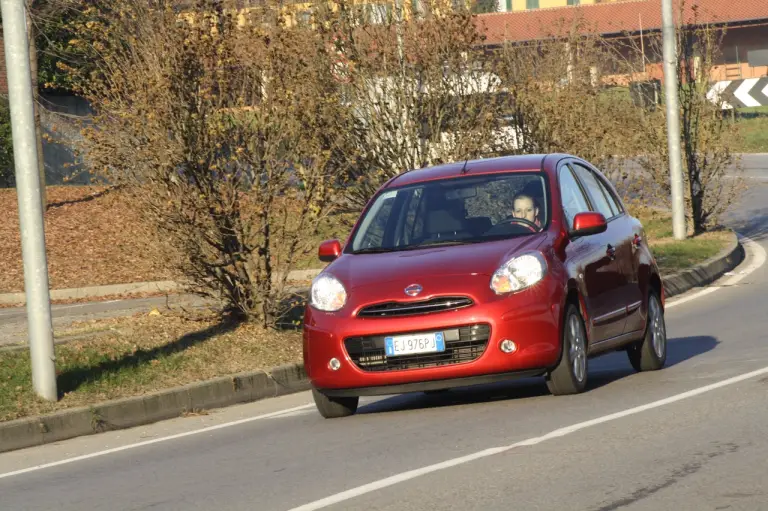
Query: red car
480, 271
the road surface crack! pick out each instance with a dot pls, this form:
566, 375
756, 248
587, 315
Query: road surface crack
674, 477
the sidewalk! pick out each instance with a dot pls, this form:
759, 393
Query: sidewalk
13, 320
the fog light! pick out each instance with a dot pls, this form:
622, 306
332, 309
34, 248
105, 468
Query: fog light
508, 346
334, 364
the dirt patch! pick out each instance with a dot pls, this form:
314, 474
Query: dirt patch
93, 238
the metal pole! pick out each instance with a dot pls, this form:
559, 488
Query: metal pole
30, 203
673, 119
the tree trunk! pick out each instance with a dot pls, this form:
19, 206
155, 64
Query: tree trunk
36, 100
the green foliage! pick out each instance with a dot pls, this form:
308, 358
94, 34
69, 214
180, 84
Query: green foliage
6, 145
58, 51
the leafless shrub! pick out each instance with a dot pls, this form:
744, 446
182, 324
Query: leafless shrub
707, 136
419, 84
230, 132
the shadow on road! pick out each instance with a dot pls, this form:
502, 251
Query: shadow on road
603, 371
71, 379
754, 224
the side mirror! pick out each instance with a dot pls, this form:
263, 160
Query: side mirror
329, 251
586, 224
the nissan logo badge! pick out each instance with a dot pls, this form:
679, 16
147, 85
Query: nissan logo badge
413, 290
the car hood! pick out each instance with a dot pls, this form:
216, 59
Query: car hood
356, 270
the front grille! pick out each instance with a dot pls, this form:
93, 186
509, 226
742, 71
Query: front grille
462, 344
399, 309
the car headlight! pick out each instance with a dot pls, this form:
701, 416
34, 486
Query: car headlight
327, 293
519, 273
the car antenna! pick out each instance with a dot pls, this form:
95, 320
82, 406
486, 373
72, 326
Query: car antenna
464, 168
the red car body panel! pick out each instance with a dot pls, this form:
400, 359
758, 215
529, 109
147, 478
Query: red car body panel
611, 291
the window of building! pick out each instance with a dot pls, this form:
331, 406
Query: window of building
531, 4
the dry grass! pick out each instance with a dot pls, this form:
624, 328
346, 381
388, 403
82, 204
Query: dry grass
141, 354
672, 255
92, 240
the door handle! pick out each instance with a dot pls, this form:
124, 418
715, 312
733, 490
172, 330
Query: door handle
611, 252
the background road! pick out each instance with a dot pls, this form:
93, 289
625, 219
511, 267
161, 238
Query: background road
705, 452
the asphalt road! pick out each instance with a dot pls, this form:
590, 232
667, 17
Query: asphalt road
692, 436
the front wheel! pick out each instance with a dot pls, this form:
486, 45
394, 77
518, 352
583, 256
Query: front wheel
650, 354
570, 375
334, 407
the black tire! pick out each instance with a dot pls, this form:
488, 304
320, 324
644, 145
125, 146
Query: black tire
564, 378
650, 354
335, 407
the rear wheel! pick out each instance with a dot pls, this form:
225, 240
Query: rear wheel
570, 375
334, 407
650, 354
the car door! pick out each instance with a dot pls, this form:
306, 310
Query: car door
615, 245
624, 228
589, 257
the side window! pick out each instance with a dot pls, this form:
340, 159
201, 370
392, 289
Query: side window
612, 200
597, 192
571, 195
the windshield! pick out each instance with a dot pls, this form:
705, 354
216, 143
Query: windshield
454, 211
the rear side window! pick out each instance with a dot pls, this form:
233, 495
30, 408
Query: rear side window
602, 199
572, 197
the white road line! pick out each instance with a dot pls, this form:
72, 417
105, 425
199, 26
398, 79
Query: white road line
758, 259
412, 474
154, 441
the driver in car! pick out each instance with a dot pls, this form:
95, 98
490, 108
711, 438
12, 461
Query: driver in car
524, 206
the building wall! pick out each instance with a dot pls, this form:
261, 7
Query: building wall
523, 5
733, 63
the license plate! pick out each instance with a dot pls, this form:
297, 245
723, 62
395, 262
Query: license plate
413, 344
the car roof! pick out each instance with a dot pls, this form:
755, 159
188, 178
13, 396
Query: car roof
515, 163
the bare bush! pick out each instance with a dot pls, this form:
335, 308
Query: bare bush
560, 100
419, 84
707, 136
229, 131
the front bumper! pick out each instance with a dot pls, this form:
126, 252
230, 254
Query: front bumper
425, 386
530, 318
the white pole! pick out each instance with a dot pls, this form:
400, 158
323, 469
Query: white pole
673, 119
30, 202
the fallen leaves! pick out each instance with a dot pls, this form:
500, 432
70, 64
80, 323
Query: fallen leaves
93, 238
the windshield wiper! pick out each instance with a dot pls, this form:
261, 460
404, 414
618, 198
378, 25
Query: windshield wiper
381, 250
443, 242
373, 250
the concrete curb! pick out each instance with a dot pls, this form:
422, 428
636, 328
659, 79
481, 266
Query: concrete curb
706, 272
167, 286
245, 387
146, 409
